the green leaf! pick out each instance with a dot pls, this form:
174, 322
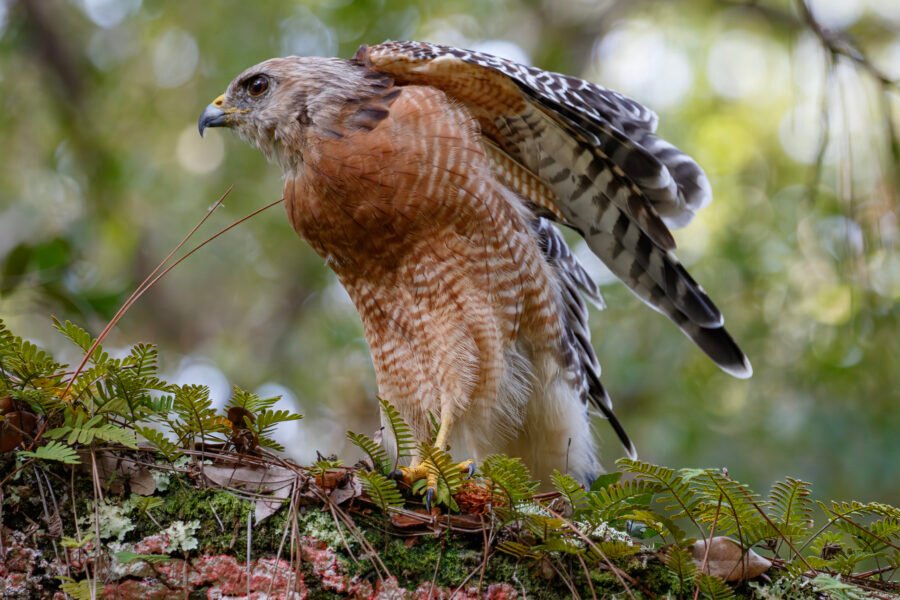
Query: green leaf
441, 464
402, 433
159, 441
54, 451
380, 489
606, 480
714, 588
509, 478
571, 490
125, 557
376, 452
683, 568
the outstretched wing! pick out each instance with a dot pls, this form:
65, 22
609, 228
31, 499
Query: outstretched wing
588, 157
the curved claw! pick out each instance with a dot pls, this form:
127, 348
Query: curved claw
396, 474
429, 497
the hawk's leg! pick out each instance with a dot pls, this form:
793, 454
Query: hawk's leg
424, 469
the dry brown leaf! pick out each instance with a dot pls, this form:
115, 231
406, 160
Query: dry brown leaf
275, 482
350, 488
115, 469
728, 560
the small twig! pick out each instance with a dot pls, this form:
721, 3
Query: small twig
292, 507
437, 566
569, 584
147, 283
249, 544
587, 576
216, 515
712, 533
620, 575
337, 525
839, 45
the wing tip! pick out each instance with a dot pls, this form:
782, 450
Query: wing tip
744, 370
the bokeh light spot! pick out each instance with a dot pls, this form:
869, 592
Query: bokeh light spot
199, 155
175, 57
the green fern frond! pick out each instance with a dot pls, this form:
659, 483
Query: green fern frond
159, 441
403, 436
673, 488
683, 568
381, 490
729, 504
82, 339
518, 550
55, 451
143, 358
614, 501
441, 464
713, 588
375, 451
323, 465
613, 550
571, 490
656, 523
79, 590
836, 589
509, 478
790, 506
266, 422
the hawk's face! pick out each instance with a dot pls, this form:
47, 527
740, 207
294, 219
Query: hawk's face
270, 104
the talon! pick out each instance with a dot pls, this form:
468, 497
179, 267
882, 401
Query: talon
429, 497
396, 475
470, 469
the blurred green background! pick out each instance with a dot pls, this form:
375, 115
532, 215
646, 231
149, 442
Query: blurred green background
102, 172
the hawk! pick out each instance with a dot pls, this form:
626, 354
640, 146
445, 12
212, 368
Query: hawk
432, 180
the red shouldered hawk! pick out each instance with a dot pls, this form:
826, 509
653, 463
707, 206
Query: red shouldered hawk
431, 179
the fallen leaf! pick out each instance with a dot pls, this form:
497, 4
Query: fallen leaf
728, 560
350, 488
273, 481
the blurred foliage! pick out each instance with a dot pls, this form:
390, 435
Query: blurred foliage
102, 173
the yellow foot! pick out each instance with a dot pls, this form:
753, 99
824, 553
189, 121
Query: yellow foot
429, 472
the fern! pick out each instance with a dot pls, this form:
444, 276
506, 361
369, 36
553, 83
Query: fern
403, 435
381, 490
266, 422
673, 488
571, 490
375, 451
158, 440
682, 567
730, 506
441, 465
79, 590
321, 467
613, 550
836, 589
510, 479
79, 429
197, 421
790, 507
518, 550
713, 588
55, 451
613, 502
82, 339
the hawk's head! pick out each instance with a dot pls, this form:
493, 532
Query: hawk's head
271, 104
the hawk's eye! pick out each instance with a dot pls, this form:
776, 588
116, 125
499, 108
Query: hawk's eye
258, 85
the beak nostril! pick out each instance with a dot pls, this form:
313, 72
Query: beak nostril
219, 101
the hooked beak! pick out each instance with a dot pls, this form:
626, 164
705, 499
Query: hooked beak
214, 115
